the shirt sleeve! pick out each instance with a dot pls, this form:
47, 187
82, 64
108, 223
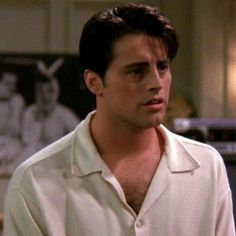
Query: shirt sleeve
224, 212
19, 219
225, 220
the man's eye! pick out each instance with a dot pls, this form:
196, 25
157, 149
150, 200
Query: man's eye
162, 66
139, 71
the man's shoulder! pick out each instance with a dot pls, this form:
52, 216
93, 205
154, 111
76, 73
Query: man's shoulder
49, 158
203, 152
56, 159
30, 109
199, 150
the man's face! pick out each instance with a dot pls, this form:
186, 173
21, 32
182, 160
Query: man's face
46, 92
137, 82
7, 85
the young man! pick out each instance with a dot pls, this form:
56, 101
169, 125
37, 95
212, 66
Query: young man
11, 109
47, 119
120, 172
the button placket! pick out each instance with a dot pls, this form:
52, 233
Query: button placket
139, 223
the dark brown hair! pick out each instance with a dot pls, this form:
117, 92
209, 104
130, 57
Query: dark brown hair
103, 30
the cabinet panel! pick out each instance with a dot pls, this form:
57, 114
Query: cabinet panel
24, 26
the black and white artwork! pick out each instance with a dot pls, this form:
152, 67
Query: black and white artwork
42, 98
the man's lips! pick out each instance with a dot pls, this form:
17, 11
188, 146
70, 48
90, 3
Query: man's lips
154, 104
153, 101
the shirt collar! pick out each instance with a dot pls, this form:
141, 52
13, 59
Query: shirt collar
86, 159
179, 158
85, 156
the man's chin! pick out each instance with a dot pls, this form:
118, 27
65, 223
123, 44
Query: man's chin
157, 120
153, 123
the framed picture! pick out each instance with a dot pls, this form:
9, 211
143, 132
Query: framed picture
42, 98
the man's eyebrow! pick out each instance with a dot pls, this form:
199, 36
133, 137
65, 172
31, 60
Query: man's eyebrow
144, 63
135, 64
165, 60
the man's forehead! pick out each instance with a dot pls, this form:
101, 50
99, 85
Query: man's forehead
139, 47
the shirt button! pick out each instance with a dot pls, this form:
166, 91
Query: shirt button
139, 224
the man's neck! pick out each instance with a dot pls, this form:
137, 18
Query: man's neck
120, 143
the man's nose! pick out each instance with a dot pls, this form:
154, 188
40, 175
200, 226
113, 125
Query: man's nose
154, 81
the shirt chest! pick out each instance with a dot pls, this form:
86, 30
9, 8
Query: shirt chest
94, 204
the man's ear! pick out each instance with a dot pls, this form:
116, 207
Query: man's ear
93, 82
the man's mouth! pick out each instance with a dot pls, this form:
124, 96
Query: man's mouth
154, 101
154, 104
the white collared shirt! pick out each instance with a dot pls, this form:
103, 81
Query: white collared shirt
67, 190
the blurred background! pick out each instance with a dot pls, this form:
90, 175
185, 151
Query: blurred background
204, 71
